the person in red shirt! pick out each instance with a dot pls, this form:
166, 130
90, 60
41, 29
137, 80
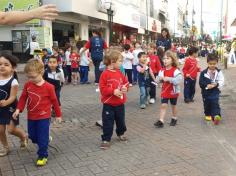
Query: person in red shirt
74, 58
113, 87
40, 97
190, 71
170, 76
155, 65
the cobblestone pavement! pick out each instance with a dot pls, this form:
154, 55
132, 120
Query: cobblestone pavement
192, 148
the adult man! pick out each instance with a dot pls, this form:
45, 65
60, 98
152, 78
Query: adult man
96, 46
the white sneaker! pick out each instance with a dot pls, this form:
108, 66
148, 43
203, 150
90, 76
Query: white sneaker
130, 85
152, 101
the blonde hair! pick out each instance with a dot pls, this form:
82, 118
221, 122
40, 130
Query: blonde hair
34, 65
111, 56
172, 55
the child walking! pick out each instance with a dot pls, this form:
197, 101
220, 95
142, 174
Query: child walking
74, 58
8, 92
145, 76
170, 76
113, 87
127, 63
211, 81
155, 65
190, 71
40, 97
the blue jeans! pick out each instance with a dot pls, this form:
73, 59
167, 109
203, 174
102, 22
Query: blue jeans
39, 134
144, 93
135, 74
189, 88
211, 106
111, 114
84, 74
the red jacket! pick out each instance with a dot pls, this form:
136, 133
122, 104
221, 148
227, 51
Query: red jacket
109, 81
191, 67
40, 100
155, 63
74, 58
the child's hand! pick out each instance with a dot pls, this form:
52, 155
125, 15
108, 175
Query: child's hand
166, 79
161, 78
124, 89
187, 75
58, 119
3, 103
117, 93
210, 86
15, 114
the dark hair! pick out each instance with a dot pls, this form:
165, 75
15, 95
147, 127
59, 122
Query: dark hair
160, 52
167, 31
11, 58
33, 38
55, 48
126, 47
52, 57
193, 50
212, 57
141, 54
95, 31
45, 49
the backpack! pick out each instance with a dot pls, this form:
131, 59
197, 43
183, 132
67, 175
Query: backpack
96, 48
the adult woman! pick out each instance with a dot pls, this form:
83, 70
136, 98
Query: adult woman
164, 40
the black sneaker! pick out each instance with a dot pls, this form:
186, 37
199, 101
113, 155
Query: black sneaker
173, 122
159, 124
187, 101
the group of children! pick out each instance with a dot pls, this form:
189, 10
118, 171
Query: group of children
42, 92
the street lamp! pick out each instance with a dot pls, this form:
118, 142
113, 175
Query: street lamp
110, 14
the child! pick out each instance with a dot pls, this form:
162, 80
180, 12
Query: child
45, 57
190, 71
40, 97
8, 91
63, 57
160, 54
68, 64
127, 63
55, 51
171, 77
74, 58
55, 76
145, 75
211, 80
113, 87
136, 51
84, 65
156, 67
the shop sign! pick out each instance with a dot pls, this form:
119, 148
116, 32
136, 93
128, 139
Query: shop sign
154, 25
42, 36
22, 5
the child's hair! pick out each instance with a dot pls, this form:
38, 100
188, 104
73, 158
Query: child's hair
126, 47
212, 57
34, 65
193, 50
173, 56
45, 49
11, 58
63, 49
74, 49
55, 48
111, 56
152, 45
141, 54
52, 57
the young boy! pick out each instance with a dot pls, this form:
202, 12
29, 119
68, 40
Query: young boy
40, 97
190, 71
55, 51
145, 76
211, 81
55, 76
45, 57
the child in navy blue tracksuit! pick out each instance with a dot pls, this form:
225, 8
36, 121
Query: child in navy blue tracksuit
211, 80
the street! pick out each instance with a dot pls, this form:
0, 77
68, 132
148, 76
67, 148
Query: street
194, 147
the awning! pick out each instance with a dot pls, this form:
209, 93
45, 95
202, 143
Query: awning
234, 22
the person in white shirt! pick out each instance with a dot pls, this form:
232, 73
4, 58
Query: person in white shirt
136, 51
68, 63
127, 63
33, 45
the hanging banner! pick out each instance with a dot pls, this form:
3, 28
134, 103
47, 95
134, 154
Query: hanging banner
21, 5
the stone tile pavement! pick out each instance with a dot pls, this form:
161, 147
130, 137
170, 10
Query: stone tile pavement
192, 148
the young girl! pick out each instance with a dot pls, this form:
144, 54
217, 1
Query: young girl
40, 97
171, 77
8, 91
127, 63
74, 58
113, 87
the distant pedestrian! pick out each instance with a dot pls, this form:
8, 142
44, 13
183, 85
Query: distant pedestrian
190, 70
74, 59
136, 51
8, 101
164, 40
211, 81
33, 45
113, 87
40, 97
68, 64
127, 63
170, 76
55, 54
145, 77
45, 57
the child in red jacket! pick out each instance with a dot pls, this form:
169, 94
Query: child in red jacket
40, 97
155, 65
190, 71
113, 87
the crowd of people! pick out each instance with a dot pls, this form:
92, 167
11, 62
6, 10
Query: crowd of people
116, 71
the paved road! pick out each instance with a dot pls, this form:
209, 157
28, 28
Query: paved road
192, 148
